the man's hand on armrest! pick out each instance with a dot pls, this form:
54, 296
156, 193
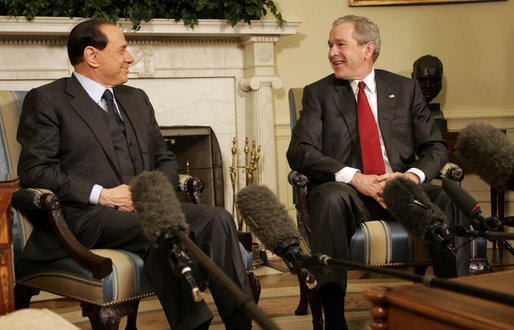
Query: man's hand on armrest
118, 197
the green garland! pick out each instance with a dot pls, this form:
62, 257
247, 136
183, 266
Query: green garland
189, 11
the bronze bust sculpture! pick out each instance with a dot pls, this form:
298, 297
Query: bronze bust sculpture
428, 71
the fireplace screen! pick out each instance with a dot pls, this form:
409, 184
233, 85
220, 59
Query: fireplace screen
198, 154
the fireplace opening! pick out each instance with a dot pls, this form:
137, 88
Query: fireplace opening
198, 154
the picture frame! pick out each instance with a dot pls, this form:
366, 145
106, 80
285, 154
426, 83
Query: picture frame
364, 3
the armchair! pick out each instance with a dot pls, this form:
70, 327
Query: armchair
378, 242
109, 283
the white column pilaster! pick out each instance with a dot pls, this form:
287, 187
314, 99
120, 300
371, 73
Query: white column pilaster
260, 78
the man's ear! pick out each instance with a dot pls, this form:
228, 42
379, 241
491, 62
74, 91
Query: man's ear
368, 51
91, 56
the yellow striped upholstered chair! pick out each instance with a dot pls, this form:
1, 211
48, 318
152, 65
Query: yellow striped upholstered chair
108, 283
376, 243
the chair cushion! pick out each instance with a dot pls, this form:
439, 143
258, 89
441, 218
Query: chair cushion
383, 242
247, 257
67, 278
10, 110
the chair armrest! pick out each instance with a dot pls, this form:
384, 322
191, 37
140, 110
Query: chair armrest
451, 171
45, 200
193, 186
300, 182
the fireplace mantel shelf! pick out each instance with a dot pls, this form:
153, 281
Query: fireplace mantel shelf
56, 26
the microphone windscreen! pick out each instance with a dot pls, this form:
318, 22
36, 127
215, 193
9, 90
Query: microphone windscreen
411, 207
266, 217
157, 206
488, 152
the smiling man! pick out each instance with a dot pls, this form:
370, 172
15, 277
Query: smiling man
85, 138
359, 128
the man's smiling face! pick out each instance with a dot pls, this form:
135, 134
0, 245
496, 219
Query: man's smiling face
349, 60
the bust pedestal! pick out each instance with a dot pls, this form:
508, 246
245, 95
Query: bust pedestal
437, 114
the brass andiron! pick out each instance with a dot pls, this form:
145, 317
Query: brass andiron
233, 179
251, 162
250, 166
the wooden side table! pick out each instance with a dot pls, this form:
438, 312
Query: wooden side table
7, 186
416, 306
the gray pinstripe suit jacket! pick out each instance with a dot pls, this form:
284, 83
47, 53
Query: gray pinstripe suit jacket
67, 148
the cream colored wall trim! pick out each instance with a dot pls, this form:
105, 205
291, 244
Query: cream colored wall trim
500, 120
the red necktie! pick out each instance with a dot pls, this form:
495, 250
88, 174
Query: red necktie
372, 160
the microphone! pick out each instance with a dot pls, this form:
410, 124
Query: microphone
412, 208
163, 222
269, 221
488, 152
471, 208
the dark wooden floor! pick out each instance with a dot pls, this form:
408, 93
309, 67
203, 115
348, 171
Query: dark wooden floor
279, 299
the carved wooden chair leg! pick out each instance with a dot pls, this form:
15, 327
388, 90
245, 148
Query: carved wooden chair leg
255, 285
22, 295
108, 317
132, 316
304, 299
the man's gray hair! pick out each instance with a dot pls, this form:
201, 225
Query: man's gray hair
365, 31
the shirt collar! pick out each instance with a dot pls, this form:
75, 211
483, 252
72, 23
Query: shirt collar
369, 80
93, 89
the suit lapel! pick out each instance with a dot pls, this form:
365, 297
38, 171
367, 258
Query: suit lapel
347, 107
90, 112
133, 108
386, 102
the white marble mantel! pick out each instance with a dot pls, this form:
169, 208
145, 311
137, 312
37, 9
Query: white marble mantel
213, 75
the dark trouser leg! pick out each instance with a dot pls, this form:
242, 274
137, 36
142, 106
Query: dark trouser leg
335, 208
216, 234
444, 264
332, 298
175, 296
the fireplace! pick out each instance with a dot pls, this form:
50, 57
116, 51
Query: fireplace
199, 155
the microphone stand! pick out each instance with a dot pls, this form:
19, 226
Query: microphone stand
500, 237
320, 260
243, 301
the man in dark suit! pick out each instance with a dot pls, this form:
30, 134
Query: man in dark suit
71, 145
330, 145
